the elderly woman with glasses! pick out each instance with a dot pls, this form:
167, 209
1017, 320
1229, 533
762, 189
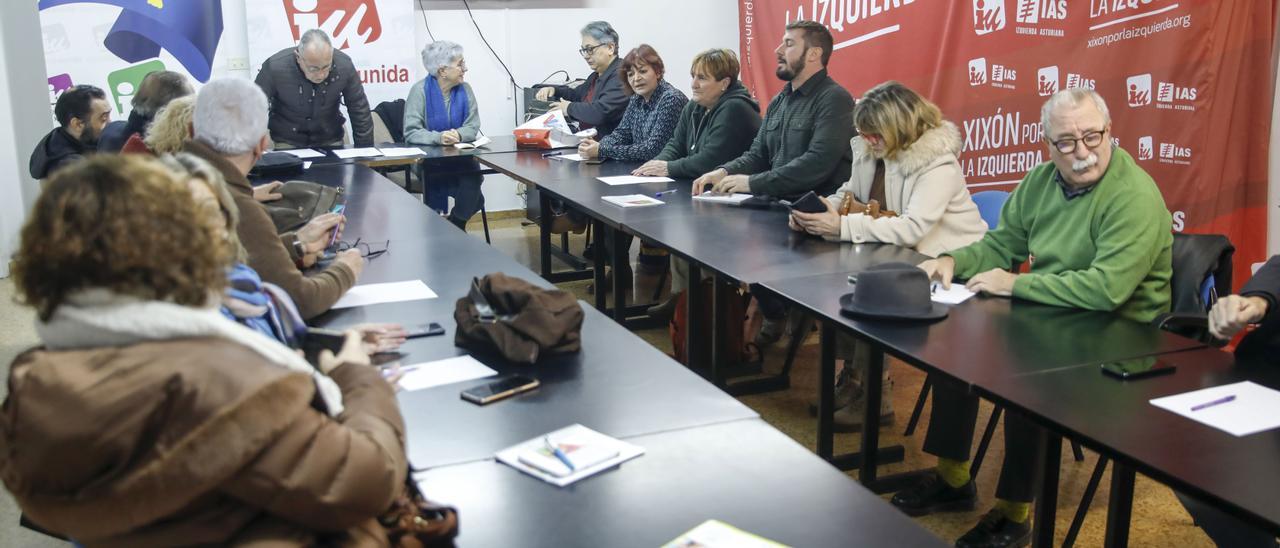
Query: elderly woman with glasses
906, 188
600, 102
442, 110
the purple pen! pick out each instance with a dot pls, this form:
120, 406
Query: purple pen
1219, 401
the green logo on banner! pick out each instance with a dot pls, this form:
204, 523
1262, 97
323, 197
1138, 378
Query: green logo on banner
124, 82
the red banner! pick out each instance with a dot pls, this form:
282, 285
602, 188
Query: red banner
1188, 82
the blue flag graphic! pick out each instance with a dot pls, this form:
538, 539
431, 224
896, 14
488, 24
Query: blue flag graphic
188, 29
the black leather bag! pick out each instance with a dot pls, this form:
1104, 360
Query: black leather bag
302, 201
277, 164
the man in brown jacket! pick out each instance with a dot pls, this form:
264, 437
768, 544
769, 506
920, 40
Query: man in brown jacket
230, 124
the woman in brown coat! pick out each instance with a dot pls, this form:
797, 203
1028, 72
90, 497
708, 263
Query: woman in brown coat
147, 418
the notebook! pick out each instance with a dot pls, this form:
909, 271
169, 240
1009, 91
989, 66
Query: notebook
589, 451
633, 200
733, 199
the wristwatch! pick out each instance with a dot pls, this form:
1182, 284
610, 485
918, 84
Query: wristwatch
300, 249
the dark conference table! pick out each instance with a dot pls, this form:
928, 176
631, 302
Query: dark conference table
608, 386
696, 466
987, 341
744, 473
1237, 474
983, 342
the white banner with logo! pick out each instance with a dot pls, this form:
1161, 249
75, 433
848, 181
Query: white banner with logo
377, 34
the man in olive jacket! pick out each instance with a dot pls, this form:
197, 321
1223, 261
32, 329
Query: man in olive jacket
803, 144
304, 85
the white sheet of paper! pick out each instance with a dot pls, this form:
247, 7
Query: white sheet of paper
420, 376
306, 165
397, 152
632, 180
735, 198
633, 200
304, 153
479, 142
718, 534
956, 295
365, 295
575, 433
575, 157
1255, 409
345, 153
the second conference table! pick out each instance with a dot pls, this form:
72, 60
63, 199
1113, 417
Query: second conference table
696, 466
988, 344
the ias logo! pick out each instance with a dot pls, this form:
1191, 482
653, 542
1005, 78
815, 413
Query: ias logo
348, 22
988, 16
1138, 90
1145, 149
978, 71
1047, 81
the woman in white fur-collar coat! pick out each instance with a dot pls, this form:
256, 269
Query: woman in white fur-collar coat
903, 136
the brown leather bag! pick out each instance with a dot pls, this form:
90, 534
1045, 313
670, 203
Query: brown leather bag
520, 320
415, 522
849, 205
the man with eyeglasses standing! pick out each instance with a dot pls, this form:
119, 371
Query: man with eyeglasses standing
1095, 231
305, 85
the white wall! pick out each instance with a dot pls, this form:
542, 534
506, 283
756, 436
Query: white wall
24, 100
535, 42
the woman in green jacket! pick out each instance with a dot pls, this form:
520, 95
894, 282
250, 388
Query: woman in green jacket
715, 127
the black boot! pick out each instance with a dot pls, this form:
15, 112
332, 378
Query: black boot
932, 494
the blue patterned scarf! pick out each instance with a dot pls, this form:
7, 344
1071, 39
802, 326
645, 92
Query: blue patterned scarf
437, 118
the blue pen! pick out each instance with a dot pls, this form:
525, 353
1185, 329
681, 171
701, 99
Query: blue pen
555, 450
334, 238
1209, 404
665, 192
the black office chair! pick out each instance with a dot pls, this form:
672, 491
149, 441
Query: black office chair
1201, 272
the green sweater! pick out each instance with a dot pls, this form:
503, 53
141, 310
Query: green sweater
1109, 249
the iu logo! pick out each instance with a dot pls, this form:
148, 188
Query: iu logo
978, 71
1138, 90
1145, 150
1047, 81
348, 22
988, 16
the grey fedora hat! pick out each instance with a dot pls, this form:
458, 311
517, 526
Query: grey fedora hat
897, 291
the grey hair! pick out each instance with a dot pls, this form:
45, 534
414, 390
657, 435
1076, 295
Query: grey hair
1071, 97
601, 31
190, 166
440, 54
313, 37
231, 115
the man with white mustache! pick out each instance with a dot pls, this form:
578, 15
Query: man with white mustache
1095, 232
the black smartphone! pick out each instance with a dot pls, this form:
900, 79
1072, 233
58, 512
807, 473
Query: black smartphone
594, 161
316, 339
809, 203
425, 330
503, 387
1138, 368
